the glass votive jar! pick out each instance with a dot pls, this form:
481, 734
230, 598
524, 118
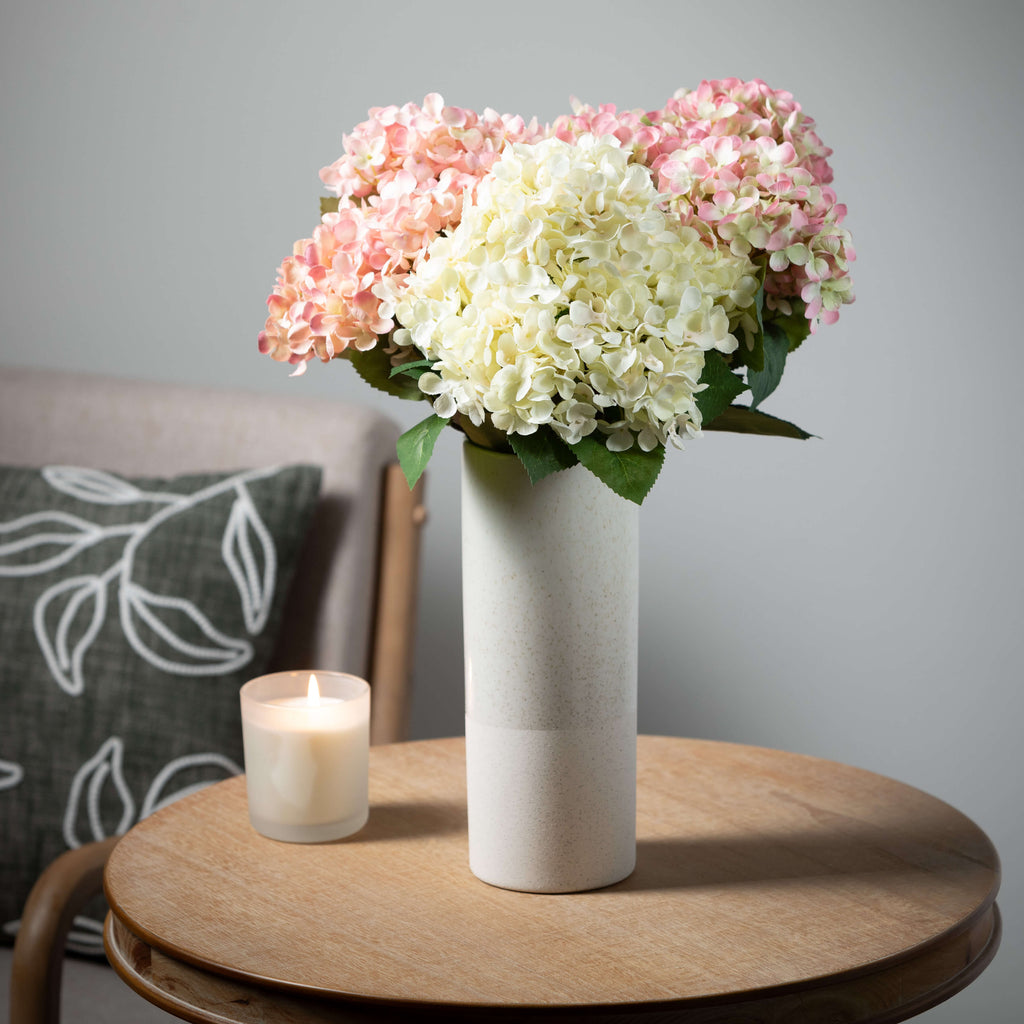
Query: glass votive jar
306, 738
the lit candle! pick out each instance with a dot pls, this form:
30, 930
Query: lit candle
306, 755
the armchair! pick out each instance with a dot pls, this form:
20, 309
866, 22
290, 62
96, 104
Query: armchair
351, 604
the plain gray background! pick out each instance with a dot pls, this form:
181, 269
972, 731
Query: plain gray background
857, 597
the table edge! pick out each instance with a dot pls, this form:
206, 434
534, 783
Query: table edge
707, 1010
986, 910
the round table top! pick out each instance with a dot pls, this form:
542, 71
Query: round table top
763, 879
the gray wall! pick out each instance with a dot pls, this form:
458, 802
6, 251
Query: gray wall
856, 597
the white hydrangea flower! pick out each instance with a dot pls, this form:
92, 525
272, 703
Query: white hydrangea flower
567, 296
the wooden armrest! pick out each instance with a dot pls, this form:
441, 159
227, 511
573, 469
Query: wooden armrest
60, 892
402, 519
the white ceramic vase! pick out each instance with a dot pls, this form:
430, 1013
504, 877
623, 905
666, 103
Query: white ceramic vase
550, 582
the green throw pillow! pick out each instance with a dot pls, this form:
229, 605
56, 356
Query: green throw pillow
131, 612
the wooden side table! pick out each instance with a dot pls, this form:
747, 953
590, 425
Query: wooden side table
769, 887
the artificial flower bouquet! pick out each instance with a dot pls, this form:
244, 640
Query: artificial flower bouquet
586, 291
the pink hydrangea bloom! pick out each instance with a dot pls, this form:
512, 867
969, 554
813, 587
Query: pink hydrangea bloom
744, 162
423, 141
632, 128
401, 180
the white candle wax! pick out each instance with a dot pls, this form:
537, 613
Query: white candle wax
306, 759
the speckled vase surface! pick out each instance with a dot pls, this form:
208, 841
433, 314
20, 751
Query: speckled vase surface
550, 581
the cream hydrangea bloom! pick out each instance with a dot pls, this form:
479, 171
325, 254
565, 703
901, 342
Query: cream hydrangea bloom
568, 296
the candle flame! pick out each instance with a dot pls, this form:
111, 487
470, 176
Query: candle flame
313, 692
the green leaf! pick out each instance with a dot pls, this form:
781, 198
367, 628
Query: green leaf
328, 204
630, 474
542, 453
739, 419
722, 387
796, 326
416, 446
374, 366
776, 348
414, 370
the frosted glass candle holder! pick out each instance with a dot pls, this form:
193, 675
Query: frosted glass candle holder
306, 755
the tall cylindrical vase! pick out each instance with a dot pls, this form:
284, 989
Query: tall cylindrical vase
550, 583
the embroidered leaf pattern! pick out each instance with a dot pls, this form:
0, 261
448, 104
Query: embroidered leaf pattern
42, 541
248, 552
66, 619
211, 768
86, 936
84, 816
101, 488
181, 639
91, 485
169, 631
11, 774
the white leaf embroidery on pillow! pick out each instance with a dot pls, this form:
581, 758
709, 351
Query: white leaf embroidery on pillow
208, 651
68, 615
220, 768
11, 774
98, 487
248, 552
84, 798
86, 936
42, 541
81, 605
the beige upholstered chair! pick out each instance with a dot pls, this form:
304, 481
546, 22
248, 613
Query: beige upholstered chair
351, 605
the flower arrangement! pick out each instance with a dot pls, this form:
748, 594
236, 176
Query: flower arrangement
587, 291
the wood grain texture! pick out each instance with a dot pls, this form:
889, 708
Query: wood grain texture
890, 994
394, 621
772, 884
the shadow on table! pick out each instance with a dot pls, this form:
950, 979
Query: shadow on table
410, 820
859, 849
